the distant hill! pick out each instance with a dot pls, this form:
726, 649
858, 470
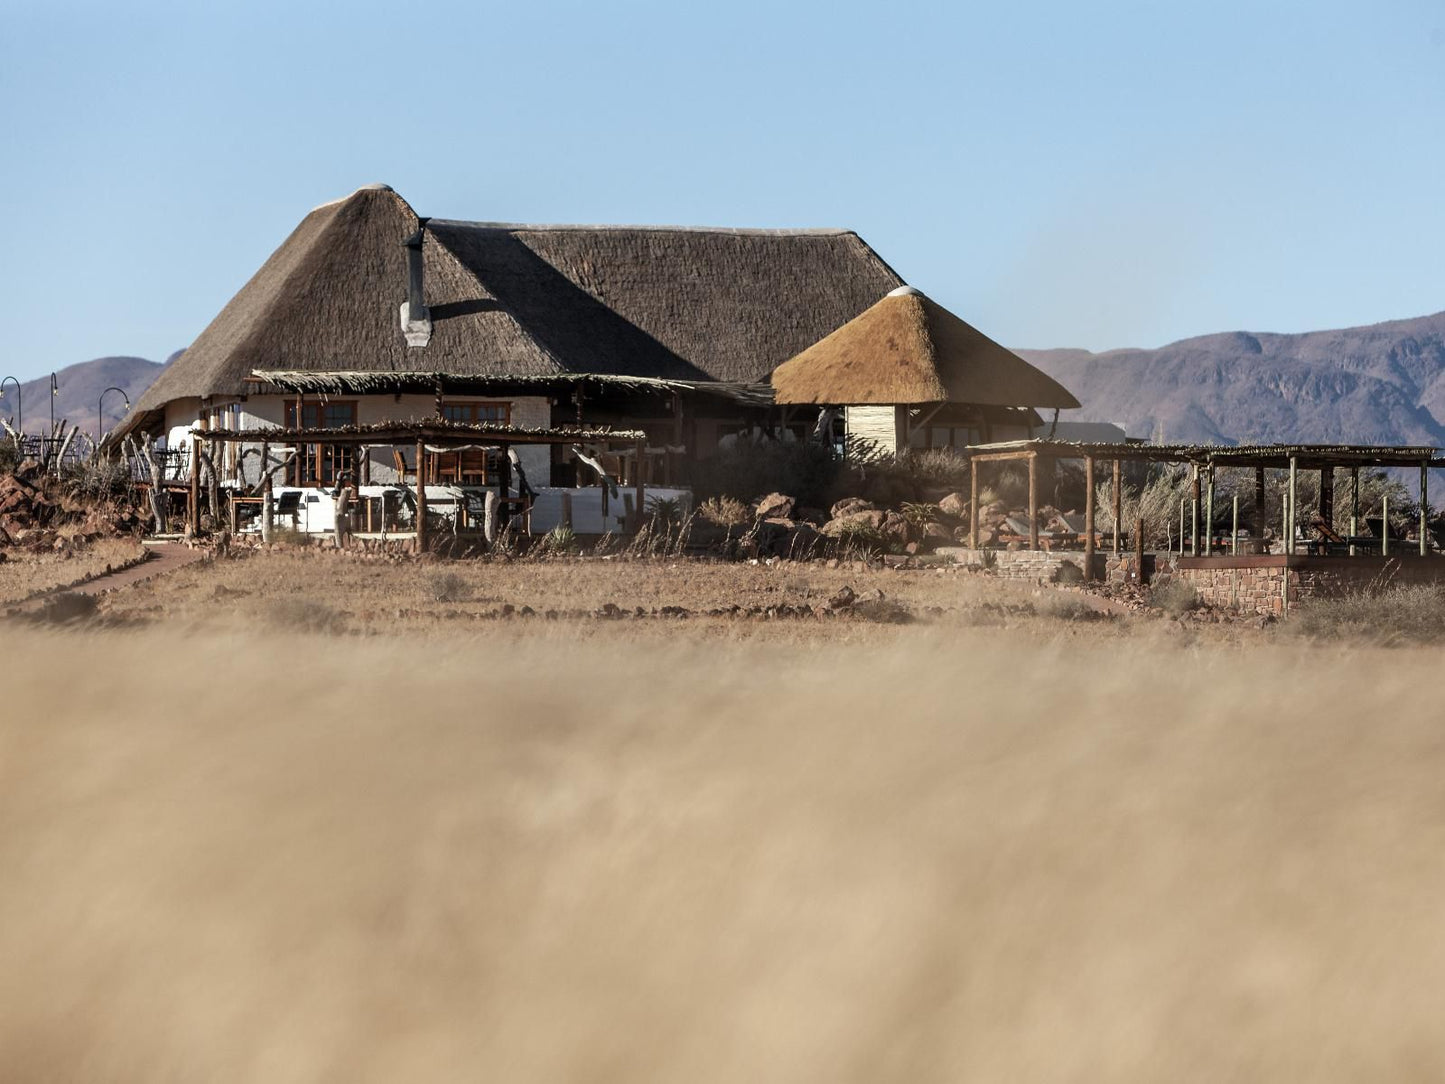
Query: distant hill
79, 388
1379, 384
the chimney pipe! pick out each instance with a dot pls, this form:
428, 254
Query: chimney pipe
415, 316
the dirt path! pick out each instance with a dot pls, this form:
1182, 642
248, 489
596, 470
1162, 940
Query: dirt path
164, 557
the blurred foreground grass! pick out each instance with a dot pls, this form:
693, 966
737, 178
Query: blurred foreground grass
290, 858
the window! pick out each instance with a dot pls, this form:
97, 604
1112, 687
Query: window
471, 466
477, 413
320, 464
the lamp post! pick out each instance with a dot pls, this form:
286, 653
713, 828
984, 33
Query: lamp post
100, 411
19, 417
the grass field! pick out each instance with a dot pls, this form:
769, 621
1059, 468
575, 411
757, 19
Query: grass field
23, 573
995, 843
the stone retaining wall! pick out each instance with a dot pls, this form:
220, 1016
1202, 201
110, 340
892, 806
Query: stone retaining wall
1269, 584
1032, 566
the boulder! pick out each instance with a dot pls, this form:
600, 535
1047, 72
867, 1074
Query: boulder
775, 506
895, 527
955, 505
849, 505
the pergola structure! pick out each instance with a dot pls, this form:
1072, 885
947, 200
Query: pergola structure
1205, 459
428, 435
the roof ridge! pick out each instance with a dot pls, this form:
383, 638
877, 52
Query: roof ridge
751, 231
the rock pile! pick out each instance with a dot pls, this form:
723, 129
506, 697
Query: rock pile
34, 515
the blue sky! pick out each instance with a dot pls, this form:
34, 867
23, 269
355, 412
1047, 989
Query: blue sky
1074, 174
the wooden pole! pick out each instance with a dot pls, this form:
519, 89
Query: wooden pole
1234, 531
1194, 512
1118, 506
420, 497
1327, 496
1354, 507
1089, 517
1033, 500
268, 508
1424, 507
1293, 504
1209, 513
1259, 520
1139, 551
193, 513
972, 503
1385, 525
566, 510
639, 506
1182, 503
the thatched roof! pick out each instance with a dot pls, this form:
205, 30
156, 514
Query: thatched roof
344, 382
430, 430
909, 349
507, 300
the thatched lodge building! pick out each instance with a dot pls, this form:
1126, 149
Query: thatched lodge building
371, 314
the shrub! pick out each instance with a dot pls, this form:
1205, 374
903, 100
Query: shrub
665, 511
1062, 607
725, 512
558, 541
1174, 597
305, 615
918, 515
446, 587
857, 539
1395, 617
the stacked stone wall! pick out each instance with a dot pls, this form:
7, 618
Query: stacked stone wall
1032, 566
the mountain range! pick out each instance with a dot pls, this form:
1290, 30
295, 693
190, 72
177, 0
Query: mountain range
78, 389
1381, 384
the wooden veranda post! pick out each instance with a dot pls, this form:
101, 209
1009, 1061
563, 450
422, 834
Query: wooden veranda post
1327, 496
193, 512
1209, 511
972, 503
1258, 527
1293, 514
420, 497
1118, 506
1194, 512
1033, 500
639, 506
1424, 507
1354, 507
1089, 517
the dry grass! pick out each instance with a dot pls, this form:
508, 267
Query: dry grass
981, 858
24, 573
384, 598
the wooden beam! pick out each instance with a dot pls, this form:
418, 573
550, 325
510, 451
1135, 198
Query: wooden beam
1033, 501
1089, 517
420, 497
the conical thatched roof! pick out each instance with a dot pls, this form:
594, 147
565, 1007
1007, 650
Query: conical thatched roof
529, 301
909, 349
